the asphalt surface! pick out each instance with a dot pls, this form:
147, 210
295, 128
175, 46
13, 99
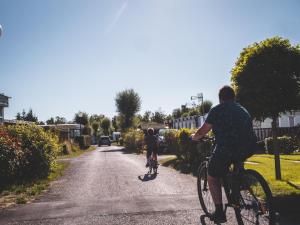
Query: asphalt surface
108, 186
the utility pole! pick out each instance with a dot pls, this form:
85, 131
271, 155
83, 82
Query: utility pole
198, 97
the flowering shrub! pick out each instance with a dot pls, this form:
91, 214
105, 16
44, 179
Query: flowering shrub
10, 155
27, 152
133, 140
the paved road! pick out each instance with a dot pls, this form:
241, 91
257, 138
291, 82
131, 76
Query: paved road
106, 186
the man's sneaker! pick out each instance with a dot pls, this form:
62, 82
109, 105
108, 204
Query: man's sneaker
219, 217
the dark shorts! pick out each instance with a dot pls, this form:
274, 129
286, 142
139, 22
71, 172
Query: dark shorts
218, 165
150, 151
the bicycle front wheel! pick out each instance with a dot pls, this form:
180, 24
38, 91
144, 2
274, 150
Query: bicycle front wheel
205, 197
256, 199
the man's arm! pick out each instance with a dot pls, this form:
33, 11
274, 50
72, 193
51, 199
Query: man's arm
202, 131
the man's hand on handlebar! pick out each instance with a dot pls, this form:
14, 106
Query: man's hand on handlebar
195, 137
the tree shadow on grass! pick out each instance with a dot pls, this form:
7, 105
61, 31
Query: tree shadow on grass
181, 166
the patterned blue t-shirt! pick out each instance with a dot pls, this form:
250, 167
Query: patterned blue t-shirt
232, 126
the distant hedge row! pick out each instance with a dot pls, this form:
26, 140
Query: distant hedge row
27, 152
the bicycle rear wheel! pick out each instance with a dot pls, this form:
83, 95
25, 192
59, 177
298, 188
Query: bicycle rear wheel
204, 195
256, 202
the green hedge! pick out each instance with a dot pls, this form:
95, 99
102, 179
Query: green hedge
27, 152
285, 145
133, 140
190, 153
84, 141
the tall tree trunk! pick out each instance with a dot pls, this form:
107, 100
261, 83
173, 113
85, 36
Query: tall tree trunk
276, 150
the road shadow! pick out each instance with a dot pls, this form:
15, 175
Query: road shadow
205, 220
147, 177
123, 150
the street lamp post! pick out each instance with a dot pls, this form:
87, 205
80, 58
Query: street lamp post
80, 115
200, 99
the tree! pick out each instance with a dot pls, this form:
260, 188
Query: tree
81, 118
158, 117
266, 79
105, 125
95, 126
146, 117
205, 107
115, 124
128, 103
27, 116
193, 112
50, 121
60, 120
96, 118
176, 113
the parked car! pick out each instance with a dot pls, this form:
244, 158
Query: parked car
161, 140
104, 140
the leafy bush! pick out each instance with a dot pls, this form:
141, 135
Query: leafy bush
84, 141
87, 130
285, 145
133, 140
190, 153
38, 150
10, 155
171, 140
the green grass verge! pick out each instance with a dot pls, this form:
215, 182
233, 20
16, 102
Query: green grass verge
21, 194
290, 170
77, 152
264, 164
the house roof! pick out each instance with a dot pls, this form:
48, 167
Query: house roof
3, 100
154, 125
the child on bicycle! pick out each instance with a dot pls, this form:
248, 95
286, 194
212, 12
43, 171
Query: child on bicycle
235, 141
150, 141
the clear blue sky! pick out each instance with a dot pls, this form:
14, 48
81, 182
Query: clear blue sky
62, 56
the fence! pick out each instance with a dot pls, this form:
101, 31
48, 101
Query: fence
263, 133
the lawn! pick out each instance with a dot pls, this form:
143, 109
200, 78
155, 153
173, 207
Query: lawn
290, 171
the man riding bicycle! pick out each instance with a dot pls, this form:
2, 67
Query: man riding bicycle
235, 141
150, 141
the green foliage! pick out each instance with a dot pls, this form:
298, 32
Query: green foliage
171, 140
285, 145
146, 117
32, 152
266, 78
105, 125
158, 117
81, 118
57, 120
95, 126
96, 118
115, 124
193, 112
189, 153
84, 141
205, 107
27, 116
87, 130
133, 140
176, 113
10, 155
128, 103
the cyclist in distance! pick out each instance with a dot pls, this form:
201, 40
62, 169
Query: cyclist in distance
150, 141
235, 142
